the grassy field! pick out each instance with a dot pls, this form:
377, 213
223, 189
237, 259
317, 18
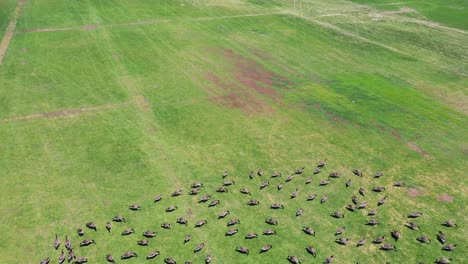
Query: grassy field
104, 104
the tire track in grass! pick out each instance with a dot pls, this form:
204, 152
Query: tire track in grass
349, 34
10, 30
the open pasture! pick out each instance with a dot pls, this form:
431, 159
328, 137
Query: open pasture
104, 105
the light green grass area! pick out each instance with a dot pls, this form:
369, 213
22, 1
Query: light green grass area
182, 98
448, 12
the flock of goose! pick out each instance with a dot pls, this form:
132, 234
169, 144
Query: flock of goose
196, 189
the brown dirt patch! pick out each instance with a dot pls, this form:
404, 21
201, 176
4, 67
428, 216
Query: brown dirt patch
249, 85
413, 193
10, 31
66, 112
445, 198
237, 97
142, 102
89, 27
44, 30
115, 56
415, 147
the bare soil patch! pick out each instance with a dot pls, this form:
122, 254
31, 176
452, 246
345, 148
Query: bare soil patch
44, 30
415, 147
65, 112
10, 30
142, 102
413, 193
89, 27
445, 198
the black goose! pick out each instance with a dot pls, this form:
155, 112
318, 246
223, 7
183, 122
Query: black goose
225, 174
378, 240
357, 172
311, 197
443, 260
61, 258
110, 258
187, 238
166, 225
214, 203
294, 260
449, 247
149, 234
169, 261
198, 247
177, 193
152, 255
68, 244
308, 181
45, 261
271, 221
412, 225
387, 247
251, 236
311, 251
245, 191
87, 242
299, 171
158, 198
308, 231
251, 175
196, 185
260, 172
340, 231
233, 222
317, 170
265, 248
450, 223
204, 199
143, 242
171, 208
128, 255
324, 182
243, 250
222, 189
363, 205
134, 207
334, 175
362, 191
71, 255
228, 183
348, 183
128, 231
181, 221
342, 241
276, 206
337, 215
264, 184
295, 193
328, 260
322, 163
208, 259
415, 214
201, 223
399, 184
223, 214
275, 174
91, 225
441, 237
280, 186
56, 242
118, 218
79, 260
378, 174
424, 239
231, 232
395, 234
324, 199
289, 178
382, 201
361, 242
194, 191
269, 232
378, 189
299, 212
108, 226
372, 222
253, 202
351, 207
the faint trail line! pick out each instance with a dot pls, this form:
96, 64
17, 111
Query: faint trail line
10, 30
350, 34
149, 22
137, 100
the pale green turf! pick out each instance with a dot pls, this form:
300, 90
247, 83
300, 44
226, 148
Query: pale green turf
57, 174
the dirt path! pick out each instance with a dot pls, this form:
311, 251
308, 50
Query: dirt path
10, 30
147, 22
347, 33
68, 112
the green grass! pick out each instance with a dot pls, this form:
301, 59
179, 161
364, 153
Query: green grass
7, 8
448, 12
355, 103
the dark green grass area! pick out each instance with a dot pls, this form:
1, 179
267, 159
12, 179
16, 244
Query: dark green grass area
275, 92
448, 12
7, 8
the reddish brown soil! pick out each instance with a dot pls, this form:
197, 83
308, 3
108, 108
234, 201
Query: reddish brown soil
414, 193
414, 147
248, 85
445, 198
